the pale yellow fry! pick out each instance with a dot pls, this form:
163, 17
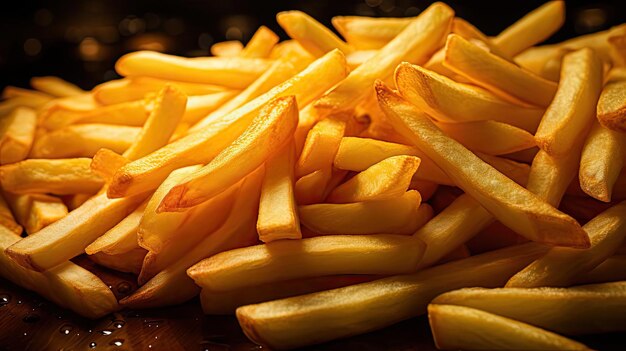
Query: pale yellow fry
570, 115
278, 213
6, 218
55, 86
420, 39
132, 113
369, 33
510, 203
266, 134
611, 110
307, 258
601, 161
261, 43
203, 145
496, 74
121, 238
328, 315
312, 35
17, 132
449, 101
320, 146
60, 177
229, 48
459, 327
36, 211
67, 285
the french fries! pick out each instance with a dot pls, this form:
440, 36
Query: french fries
6, 218
320, 146
36, 211
227, 48
121, 238
261, 44
55, 86
611, 108
312, 35
369, 33
17, 132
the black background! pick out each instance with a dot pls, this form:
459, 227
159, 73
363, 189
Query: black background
52, 31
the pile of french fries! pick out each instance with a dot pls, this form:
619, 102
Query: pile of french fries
322, 188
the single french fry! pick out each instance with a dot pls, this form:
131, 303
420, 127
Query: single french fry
228, 48
55, 86
387, 179
320, 146
36, 211
586, 309
490, 137
535, 27
75, 200
68, 285
132, 113
290, 47
83, 140
611, 110
328, 315
611, 270
203, 145
518, 172
369, 33
357, 58
570, 115
121, 238
550, 177
311, 257
106, 162
61, 109
60, 177
37, 98
226, 302
311, 188
6, 218
232, 72
562, 266
459, 327
601, 161
265, 136
261, 43
17, 132
468, 31
510, 203
496, 74
129, 261
449, 101
421, 38
392, 216
312, 35
278, 212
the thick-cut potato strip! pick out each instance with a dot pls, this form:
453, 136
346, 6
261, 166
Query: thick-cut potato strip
228, 48
415, 44
328, 315
369, 33
60, 177
121, 238
278, 212
200, 147
55, 86
129, 261
106, 162
226, 302
464, 328
550, 177
449, 101
17, 132
83, 140
570, 115
533, 28
261, 43
68, 285
36, 211
6, 218
586, 309
601, 161
132, 113
468, 31
392, 216
320, 146
358, 154
266, 134
562, 266
490, 137
387, 179
496, 74
311, 188
510, 203
611, 270
312, 35
169, 107
172, 285
612, 103
61, 108
312, 257
518, 172
232, 72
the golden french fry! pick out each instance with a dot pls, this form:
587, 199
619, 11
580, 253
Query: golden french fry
278, 213
550, 177
611, 109
468, 31
312, 35
576, 310
132, 113
369, 33
510, 203
261, 43
387, 179
571, 113
320, 146
75, 200
415, 44
611, 270
232, 72
265, 136
496, 74
6, 218
106, 162
68, 285
392, 216
129, 261
562, 266
55, 86
357, 58
311, 257
323, 316
533, 28
36, 211
449, 101
203, 145
17, 132
311, 188
83, 140
229, 48
121, 238
459, 327
61, 176
518, 172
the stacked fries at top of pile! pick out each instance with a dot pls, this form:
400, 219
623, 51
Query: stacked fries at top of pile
323, 188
